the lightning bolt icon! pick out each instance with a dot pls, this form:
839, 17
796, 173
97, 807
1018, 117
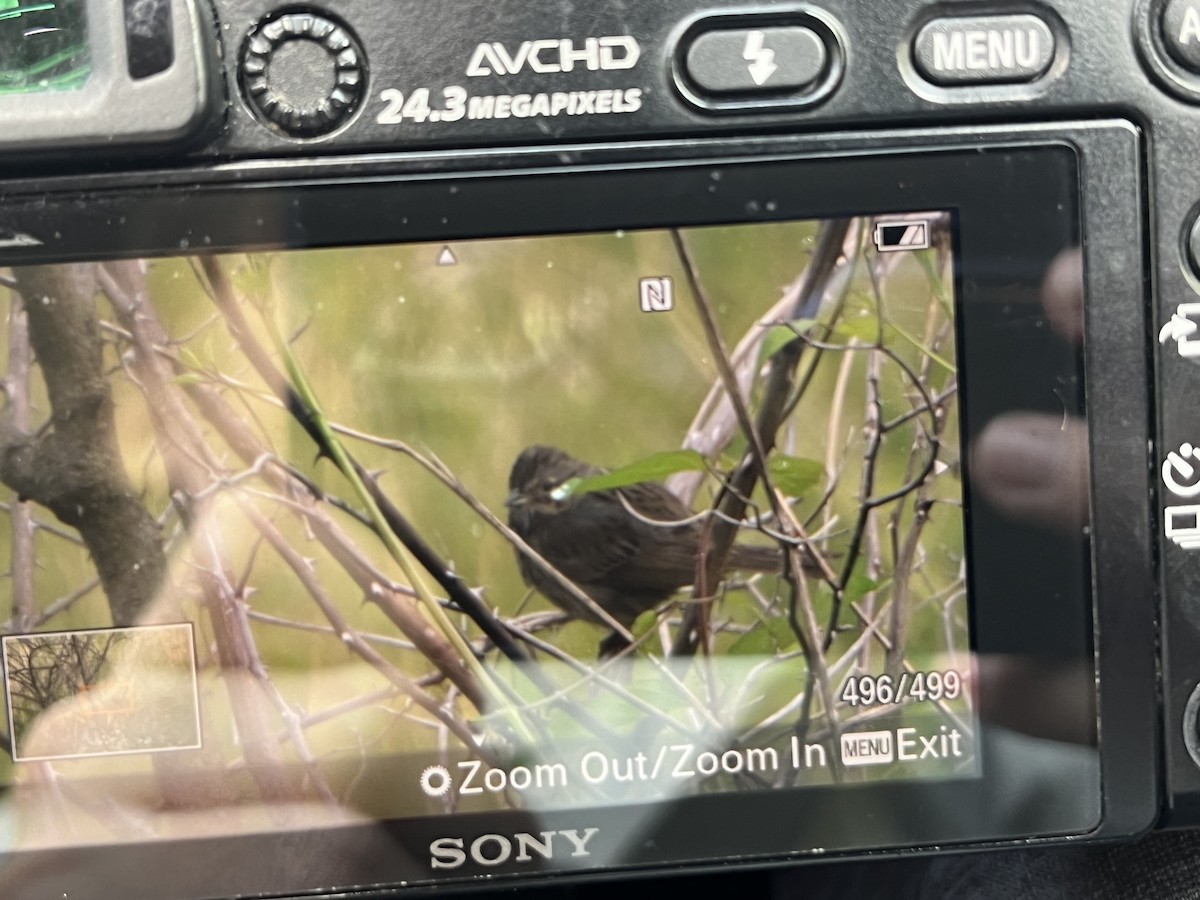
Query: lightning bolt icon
762, 61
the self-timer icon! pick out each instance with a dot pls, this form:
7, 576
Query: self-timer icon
1181, 471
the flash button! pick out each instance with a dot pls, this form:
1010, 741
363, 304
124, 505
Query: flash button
753, 60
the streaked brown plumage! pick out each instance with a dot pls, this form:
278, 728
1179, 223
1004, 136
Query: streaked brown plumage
626, 565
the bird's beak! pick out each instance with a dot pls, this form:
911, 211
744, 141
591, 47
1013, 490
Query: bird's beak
515, 498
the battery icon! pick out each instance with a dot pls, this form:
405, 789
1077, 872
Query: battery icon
901, 234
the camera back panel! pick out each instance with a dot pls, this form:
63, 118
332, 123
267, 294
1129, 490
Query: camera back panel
302, 110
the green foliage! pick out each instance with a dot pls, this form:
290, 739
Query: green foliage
864, 328
772, 635
655, 467
859, 585
779, 336
644, 624
795, 476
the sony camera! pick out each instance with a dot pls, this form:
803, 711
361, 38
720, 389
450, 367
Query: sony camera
461, 440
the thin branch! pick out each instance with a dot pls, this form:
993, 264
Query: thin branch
236, 629
71, 537
353, 704
593, 675
349, 636
238, 661
300, 403
382, 640
446, 476
825, 279
716, 345
760, 434
62, 604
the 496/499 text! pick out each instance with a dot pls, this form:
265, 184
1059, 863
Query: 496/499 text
908, 687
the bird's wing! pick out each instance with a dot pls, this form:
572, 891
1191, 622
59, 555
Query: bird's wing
598, 542
661, 556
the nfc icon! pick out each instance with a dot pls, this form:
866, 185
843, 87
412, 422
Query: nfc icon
658, 294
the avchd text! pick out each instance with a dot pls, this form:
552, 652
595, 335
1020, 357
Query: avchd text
606, 54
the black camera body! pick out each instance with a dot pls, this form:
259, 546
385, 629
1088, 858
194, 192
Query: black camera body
993, 143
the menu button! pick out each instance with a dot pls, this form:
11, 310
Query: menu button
981, 50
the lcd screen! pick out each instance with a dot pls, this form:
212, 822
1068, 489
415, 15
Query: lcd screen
358, 518
549, 416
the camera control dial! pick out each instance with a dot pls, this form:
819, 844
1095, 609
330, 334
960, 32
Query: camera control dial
303, 74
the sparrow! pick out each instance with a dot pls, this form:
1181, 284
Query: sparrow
628, 548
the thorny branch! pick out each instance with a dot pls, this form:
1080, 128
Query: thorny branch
143, 324
223, 295
926, 404
761, 435
442, 472
457, 589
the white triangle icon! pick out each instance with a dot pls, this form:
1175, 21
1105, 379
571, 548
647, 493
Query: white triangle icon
447, 257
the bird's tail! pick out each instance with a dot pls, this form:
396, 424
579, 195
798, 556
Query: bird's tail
755, 558
763, 558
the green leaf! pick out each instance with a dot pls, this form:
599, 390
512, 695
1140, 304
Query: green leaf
776, 339
859, 586
756, 642
781, 335
644, 623
781, 631
189, 358
795, 476
864, 328
770, 635
944, 363
653, 468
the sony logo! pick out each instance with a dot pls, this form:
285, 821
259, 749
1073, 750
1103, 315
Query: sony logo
620, 51
495, 849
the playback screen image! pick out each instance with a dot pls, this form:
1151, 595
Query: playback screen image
339, 535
